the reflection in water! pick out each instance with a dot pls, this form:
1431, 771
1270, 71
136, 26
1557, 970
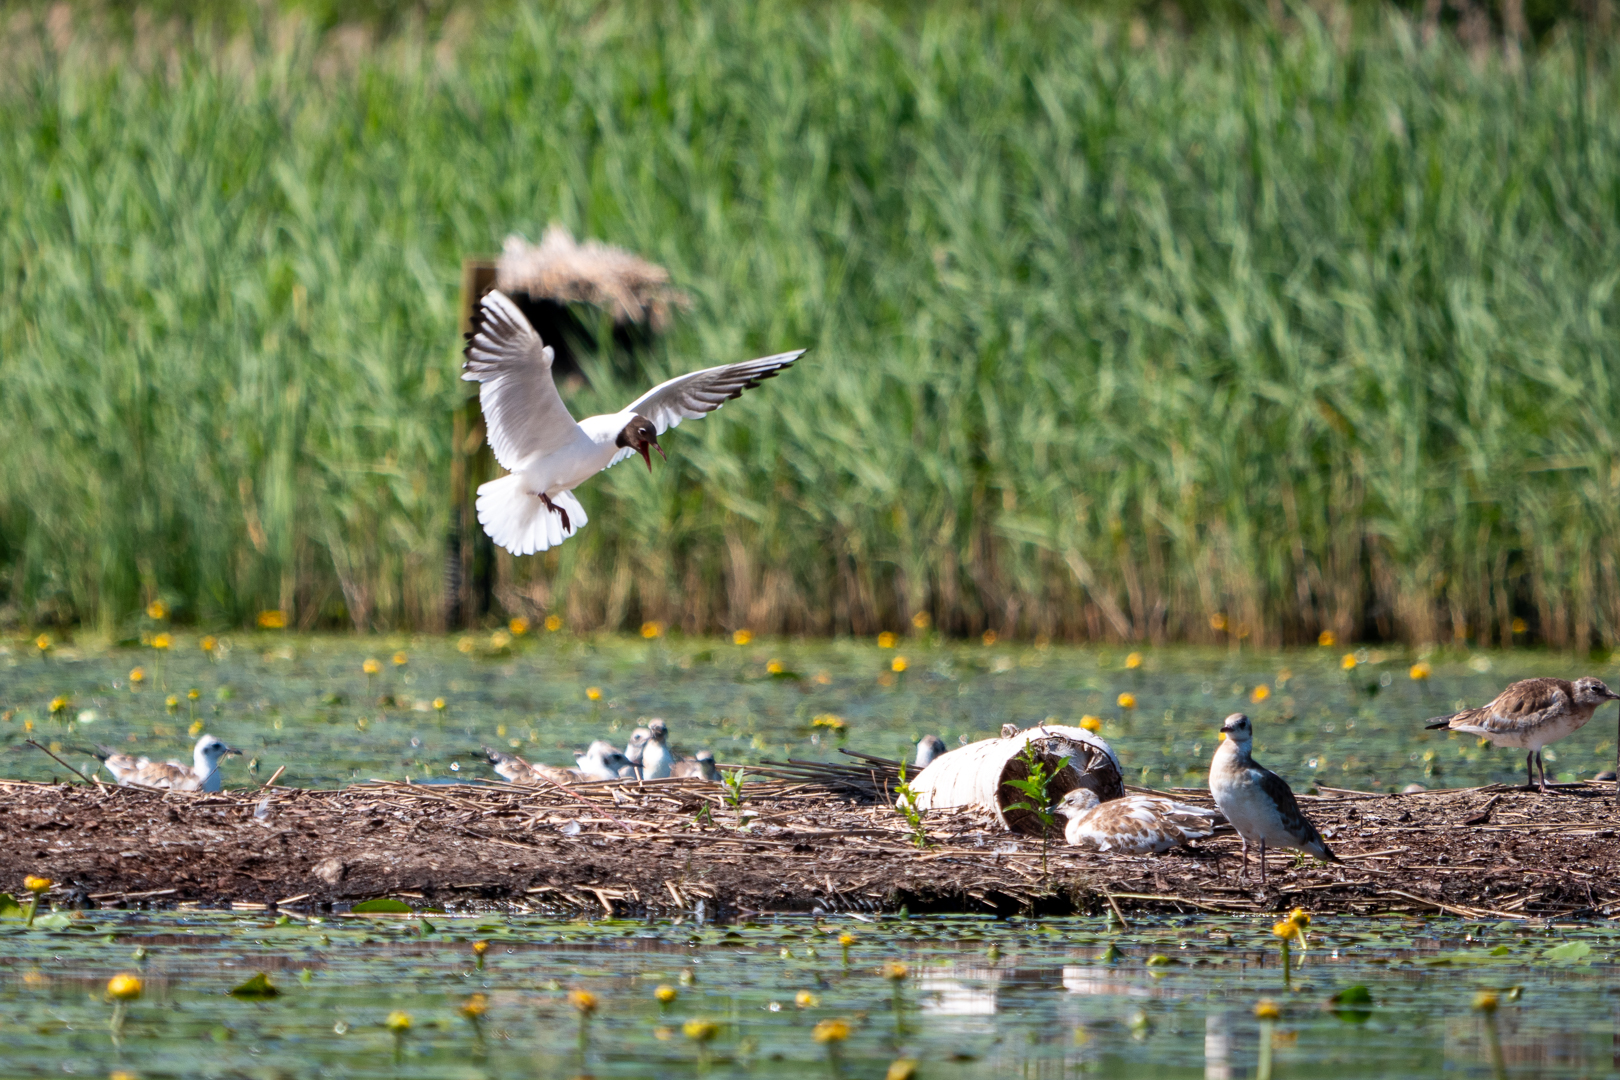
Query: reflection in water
1099, 981
1217, 1048
966, 989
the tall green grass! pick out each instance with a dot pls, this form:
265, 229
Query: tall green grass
1281, 330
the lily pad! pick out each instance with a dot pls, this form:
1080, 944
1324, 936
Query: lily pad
9, 908
257, 988
1568, 952
382, 905
1353, 1004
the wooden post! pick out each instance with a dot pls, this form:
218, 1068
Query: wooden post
469, 570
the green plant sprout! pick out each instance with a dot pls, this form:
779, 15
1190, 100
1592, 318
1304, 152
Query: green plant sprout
906, 803
1035, 787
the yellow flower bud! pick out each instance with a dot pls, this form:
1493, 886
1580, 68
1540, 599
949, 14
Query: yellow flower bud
666, 994
894, 970
1266, 1009
124, 987
583, 1001
475, 1006
37, 884
398, 1022
804, 999
831, 1031
700, 1030
1127, 701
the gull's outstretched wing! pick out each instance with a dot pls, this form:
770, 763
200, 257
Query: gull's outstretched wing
698, 393
522, 410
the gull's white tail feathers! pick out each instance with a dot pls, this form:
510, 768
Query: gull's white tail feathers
518, 521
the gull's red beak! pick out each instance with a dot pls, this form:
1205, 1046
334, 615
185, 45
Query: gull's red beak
660, 450
642, 450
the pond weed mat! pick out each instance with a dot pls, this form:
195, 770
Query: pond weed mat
667, 847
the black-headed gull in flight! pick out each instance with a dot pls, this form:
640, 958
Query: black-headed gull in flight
537, 441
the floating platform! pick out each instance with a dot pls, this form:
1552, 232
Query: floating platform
669, 847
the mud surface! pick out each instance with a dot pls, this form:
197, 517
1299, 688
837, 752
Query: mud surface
666, 846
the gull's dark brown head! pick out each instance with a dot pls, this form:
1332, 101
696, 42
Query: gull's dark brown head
638, 435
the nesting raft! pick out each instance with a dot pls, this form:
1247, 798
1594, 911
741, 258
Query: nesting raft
661, 848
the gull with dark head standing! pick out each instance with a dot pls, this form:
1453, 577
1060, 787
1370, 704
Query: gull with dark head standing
1259, 803
201, 775
1530, 714
544, 450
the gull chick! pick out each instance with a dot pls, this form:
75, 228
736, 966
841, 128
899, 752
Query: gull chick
602, 761
929, 747
201, 775
1134, 824
656, 760
1530, 714
537, 441
1259, 803
701, 766
511, 768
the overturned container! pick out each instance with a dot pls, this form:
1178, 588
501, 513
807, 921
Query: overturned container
977, 775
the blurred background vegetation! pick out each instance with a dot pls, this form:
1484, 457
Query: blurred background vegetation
1129, 321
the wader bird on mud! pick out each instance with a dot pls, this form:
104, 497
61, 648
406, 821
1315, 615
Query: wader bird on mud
1530, 714
546, 453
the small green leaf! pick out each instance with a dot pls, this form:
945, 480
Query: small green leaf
56, 920
1568, 951
1158, 960
1353, 995
383, 905
1353, 1004
1500, 950
256, 988
9, 908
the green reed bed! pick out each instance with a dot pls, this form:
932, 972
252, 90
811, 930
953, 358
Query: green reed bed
1255, 333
